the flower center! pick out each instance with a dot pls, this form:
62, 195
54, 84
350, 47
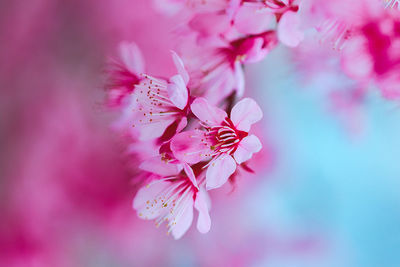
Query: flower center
225, 138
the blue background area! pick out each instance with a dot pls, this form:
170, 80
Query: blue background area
327, 180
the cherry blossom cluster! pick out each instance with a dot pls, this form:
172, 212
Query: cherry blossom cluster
231, 33
198, 145
191, 132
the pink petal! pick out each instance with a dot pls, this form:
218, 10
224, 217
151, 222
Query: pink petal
190, 174
188, 147
152, 130
158, 166
219, 171
253, 49
184, 219
251, 19
145, 149
204, 220
232, 8
182, 124
209, 24
239, 79
389, 84
180, 67
222, 83
356, 59
249, 145
245, 113
206, 112
132, 57
177, 92
149, 193
288, 29
173, 129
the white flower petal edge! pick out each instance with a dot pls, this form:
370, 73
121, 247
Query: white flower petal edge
249, 145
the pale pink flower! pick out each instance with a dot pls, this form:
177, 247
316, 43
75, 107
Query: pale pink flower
159, 107
171, 196
224, 141
366, 34
125, 73
337, 21
219, 71
254, 16
219, 75
233, 19
233, 34
334, 32
373, 53
253, 48
289, 23
289, 32
248, 17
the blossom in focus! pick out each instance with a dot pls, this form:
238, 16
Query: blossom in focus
171, 196
158, 106
224, 141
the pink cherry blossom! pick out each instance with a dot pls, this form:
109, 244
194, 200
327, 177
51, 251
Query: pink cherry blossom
196, 145
289, 32
334, 32
171, 196
372, 54
254, 48
125, 73
219, 71
159, 107
232, 19
224, 141
253, 18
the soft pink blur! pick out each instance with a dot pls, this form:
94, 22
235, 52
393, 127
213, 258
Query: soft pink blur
65, 182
